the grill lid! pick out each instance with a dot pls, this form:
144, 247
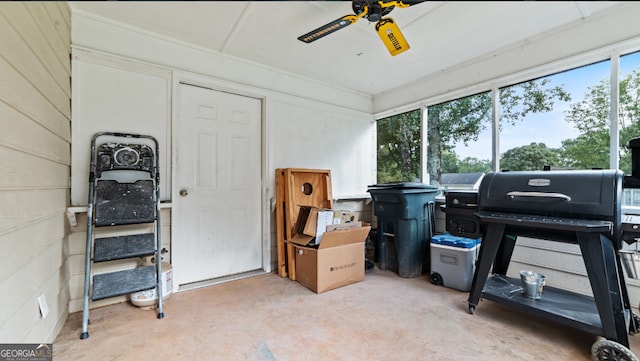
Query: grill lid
587, 194
594, 195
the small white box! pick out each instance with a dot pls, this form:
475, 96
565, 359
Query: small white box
325, 219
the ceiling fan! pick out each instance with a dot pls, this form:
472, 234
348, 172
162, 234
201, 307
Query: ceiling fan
373, 11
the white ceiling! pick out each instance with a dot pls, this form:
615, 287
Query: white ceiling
441, 34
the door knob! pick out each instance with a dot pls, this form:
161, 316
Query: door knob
184, 192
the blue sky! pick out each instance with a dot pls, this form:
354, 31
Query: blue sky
549, 128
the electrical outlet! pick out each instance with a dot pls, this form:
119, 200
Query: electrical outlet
44, 308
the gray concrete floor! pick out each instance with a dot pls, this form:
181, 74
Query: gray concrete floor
267, 317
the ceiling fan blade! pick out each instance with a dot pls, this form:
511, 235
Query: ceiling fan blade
411, 2
391, 36
328, 28
400, 4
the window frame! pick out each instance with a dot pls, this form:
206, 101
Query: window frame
611, 54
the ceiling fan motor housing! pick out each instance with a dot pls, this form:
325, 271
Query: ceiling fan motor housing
375, 11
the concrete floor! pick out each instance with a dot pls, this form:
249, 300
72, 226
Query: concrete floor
267, 317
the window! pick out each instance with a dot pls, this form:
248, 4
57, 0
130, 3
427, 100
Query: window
629, 106
561, 121
629, 117
399, 147
459, 140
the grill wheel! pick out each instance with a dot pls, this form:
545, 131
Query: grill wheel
607, 350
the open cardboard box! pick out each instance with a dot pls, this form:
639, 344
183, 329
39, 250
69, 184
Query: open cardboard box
313, 222
337, 261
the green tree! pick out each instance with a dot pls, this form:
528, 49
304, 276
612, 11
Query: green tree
456, 121
461, 120
589, 150
474, 165
399, 147
591, 116
450, 162
534, 156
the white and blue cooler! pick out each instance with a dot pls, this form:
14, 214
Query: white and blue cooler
453, 260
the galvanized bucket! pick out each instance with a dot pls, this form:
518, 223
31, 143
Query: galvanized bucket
532, 284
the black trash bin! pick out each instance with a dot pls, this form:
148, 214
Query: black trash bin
405, 215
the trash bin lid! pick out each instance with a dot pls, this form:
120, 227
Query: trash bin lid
402, 185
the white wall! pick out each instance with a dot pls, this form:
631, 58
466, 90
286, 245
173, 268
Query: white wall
114, 95
311, 135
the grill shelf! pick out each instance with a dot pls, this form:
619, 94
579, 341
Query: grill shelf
610, 303
574, 310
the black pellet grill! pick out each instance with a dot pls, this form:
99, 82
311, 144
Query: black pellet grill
579, 207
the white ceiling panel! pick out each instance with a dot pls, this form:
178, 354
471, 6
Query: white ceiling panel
204, 23
441, 34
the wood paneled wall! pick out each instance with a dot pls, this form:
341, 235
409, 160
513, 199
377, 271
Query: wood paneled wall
35, 139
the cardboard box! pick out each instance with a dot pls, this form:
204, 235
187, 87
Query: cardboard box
336, 262
341, 217
337, 226
312, 222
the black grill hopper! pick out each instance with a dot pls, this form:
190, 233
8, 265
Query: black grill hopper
460, 213
580, 207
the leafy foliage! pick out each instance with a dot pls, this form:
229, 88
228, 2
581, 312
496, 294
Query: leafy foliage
535, 96
462, 120
591, 116
399, 147
474, 165
589, 150
451, 164
459, 120
534, 156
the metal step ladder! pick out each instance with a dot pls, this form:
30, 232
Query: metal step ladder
124, 189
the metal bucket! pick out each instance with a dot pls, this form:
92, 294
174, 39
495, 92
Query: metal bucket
630, 263
532, 284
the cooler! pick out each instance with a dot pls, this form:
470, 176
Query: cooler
453, 260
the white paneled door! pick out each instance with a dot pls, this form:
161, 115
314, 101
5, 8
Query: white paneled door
217, 211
